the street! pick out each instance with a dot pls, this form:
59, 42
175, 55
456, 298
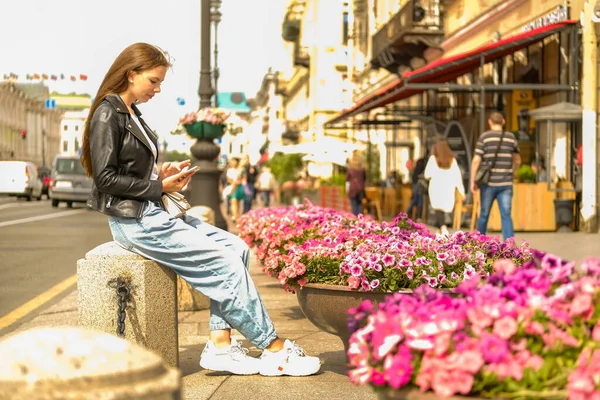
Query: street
40, 246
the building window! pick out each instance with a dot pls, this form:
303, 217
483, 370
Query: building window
345, 28
76, 145
76, 128
65, 128
65, 146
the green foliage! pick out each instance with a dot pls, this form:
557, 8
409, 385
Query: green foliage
525, 174
285, 167
174, 155
373, 165
336, 180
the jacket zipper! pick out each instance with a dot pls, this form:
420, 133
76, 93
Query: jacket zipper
109, 201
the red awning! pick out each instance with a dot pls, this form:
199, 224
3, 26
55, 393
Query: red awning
449, 68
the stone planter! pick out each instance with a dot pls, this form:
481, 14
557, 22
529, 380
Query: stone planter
326, 306
415, 394
205, 130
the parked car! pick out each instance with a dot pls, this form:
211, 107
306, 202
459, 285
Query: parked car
20, 178
68, 182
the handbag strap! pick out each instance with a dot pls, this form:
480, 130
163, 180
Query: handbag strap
497, 149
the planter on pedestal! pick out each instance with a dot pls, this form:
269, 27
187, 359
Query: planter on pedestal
204, 186
205, 130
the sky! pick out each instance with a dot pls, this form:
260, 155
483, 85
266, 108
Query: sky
84, 37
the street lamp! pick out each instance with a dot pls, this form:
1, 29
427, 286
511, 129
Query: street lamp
215, 17
205, 90
204, 186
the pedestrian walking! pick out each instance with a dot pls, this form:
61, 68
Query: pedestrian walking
356, 176
497, 151
418, 176
265, 185
119, 153
251, 173
444, 179
236, 177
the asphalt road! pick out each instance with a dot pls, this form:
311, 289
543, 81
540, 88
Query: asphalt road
40, 246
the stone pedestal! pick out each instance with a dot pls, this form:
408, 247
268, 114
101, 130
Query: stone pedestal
189, 299
151, 319
76, 363
204, 186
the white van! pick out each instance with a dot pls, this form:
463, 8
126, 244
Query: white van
20, 178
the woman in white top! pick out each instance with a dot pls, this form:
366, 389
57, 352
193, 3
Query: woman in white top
445, 177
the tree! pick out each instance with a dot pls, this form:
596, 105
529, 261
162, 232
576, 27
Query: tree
285, 167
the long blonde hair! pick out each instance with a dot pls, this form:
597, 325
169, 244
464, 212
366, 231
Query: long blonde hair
443, 154
356, 161
138, 57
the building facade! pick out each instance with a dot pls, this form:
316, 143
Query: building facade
314, 85
432, 68
28, 131
72, 131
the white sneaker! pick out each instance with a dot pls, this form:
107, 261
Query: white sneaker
290, 361
233, 358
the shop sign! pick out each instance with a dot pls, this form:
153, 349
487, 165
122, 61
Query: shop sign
560, 14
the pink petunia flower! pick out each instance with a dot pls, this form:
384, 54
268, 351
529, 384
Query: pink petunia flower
398, 367
505, 327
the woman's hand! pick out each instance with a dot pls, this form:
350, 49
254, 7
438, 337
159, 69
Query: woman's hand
172, 168
177, 182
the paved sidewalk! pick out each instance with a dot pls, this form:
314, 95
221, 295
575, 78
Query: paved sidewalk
332, 382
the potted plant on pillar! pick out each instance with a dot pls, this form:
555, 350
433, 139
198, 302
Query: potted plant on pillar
207, 123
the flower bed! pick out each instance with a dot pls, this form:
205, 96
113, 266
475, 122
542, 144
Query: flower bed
310, 244
528, 332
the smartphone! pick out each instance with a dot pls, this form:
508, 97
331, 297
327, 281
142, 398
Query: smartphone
189, 170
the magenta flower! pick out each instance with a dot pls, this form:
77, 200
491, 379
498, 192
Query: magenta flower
388, 260
493, 348
356, 270
398, 367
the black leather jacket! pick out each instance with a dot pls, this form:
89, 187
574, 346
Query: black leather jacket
122, 161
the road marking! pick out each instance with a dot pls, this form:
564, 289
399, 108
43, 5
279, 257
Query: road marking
42, 217
37, 302
28, 204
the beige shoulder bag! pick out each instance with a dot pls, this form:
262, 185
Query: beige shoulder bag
175, 204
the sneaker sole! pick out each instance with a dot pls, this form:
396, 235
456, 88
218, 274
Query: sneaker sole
285, 373
220, 368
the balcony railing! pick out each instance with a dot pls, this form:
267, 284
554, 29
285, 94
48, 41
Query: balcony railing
416, 18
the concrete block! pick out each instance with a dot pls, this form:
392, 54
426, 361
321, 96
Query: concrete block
189, 299
75, 363
204, 213
151, 319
